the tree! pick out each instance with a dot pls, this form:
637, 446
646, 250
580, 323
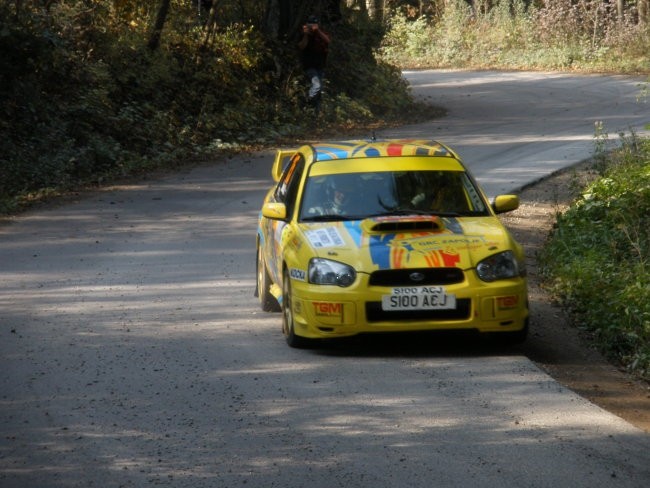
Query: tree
163, 10
283, 18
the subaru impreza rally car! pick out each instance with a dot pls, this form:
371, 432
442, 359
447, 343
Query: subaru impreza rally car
386, 236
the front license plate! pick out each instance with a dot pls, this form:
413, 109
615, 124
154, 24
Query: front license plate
418, 298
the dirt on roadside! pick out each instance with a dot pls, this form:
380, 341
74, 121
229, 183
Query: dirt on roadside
556, 346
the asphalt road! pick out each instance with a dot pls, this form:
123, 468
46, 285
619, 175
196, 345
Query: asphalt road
133, 354
514, 128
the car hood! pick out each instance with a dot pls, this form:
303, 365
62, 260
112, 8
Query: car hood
407, 242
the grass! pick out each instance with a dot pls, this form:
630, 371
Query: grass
566, 35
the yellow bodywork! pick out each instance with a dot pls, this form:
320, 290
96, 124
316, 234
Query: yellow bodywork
446, 247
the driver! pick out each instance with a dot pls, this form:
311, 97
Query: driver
339, 196
338, 199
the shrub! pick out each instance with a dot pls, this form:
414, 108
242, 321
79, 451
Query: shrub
597, 260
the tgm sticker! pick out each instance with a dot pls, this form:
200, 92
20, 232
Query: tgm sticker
298, 274
325, 237
328, 309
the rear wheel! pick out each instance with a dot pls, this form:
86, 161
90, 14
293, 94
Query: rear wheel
288, 328
267, 301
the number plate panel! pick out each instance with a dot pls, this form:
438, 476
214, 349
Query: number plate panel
418, 298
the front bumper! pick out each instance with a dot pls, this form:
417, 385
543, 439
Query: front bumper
329, 311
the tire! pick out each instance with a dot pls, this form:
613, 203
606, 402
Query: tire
288, 328
267, 301
514, 338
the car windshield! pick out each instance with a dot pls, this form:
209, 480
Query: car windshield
355, 196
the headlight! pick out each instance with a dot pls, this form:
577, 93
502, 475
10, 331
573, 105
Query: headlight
327, 272
498, 267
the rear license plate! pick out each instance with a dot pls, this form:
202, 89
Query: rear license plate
418, 298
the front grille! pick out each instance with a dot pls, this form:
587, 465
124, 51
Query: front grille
431, 276
374, 313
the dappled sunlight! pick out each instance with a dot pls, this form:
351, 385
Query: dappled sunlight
266, 368
487, 140
376, 420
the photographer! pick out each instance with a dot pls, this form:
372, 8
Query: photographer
314, 46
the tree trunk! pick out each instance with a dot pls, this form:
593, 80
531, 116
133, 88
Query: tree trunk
359, 5
163, 10
620, 10
644, 11
375, 9
210, 27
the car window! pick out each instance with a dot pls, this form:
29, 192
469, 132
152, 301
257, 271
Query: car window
287, 187
360, 195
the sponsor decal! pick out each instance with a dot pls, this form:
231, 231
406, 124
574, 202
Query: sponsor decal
328, 309
412, 250
298, 274
325, 237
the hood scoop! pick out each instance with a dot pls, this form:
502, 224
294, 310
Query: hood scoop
406, 223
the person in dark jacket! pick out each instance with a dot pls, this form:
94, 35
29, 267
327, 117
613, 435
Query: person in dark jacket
314, 47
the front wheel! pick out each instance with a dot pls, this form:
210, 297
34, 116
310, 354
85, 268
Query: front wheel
514, 338
288, 326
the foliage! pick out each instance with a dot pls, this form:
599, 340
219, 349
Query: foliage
516, 34
597, 260
359, 76
83, 99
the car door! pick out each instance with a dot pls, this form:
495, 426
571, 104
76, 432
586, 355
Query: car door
286, 192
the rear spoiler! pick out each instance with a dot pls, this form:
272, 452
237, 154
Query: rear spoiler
282, 158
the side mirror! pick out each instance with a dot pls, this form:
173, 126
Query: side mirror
282, 158
505, 203
275, 211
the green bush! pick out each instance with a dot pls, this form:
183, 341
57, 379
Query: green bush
597, 261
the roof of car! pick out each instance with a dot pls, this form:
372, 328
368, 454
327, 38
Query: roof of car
388, 148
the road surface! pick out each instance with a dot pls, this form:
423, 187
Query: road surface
133, 354
535, 123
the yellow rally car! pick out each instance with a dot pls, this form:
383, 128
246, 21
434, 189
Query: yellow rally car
385, 236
